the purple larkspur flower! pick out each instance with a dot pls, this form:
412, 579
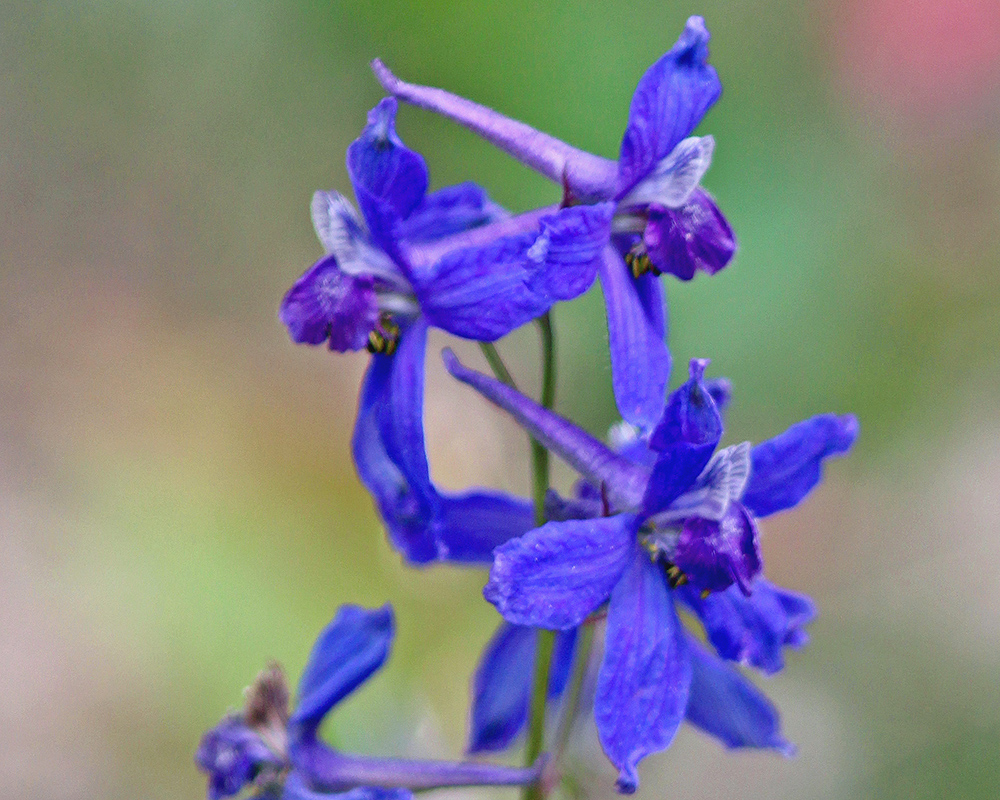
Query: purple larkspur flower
452, 256
278, 754
667, 517
664, 221
450, 259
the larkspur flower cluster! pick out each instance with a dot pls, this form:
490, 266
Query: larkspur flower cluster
661, 518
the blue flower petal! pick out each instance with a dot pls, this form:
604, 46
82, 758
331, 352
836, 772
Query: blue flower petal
640, 360
555, 575
388, 446
685, 438
753, 630
471, 525
485, 292
642, 688
232, 755
389, 179
400, 415
668, 104
389, 453
571, 242
353, 646
727, 706
716, 554
696, 236
297, 788
482, 293
788, 466
501, 687
325, 303
447, 211
690, 415
720, 484
675, 177
654, 305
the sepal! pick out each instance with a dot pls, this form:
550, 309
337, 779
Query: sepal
388, 446
787, 467
642, 686
233, 755
485, 292
348, 651
389, 179
729, 707
640, 360
685, 438
753, 629
448, 211
556, 575
501, 687
471, 525
669, 102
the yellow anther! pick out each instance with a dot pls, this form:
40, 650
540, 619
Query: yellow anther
385, 338
638, 261
675, 577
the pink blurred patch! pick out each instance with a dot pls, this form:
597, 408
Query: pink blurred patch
922, 57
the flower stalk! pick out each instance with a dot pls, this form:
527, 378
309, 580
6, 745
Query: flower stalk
546, 639
539, 454
496, 364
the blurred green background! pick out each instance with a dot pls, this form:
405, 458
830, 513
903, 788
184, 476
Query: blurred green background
177, 501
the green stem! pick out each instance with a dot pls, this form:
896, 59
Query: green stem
571, 698
496, 364
536, 731
539, 455
546, 639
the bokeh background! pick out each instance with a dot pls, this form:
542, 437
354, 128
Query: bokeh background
177, 502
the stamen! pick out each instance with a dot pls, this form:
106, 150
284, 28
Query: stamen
675, 576
384, 338
638, 261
